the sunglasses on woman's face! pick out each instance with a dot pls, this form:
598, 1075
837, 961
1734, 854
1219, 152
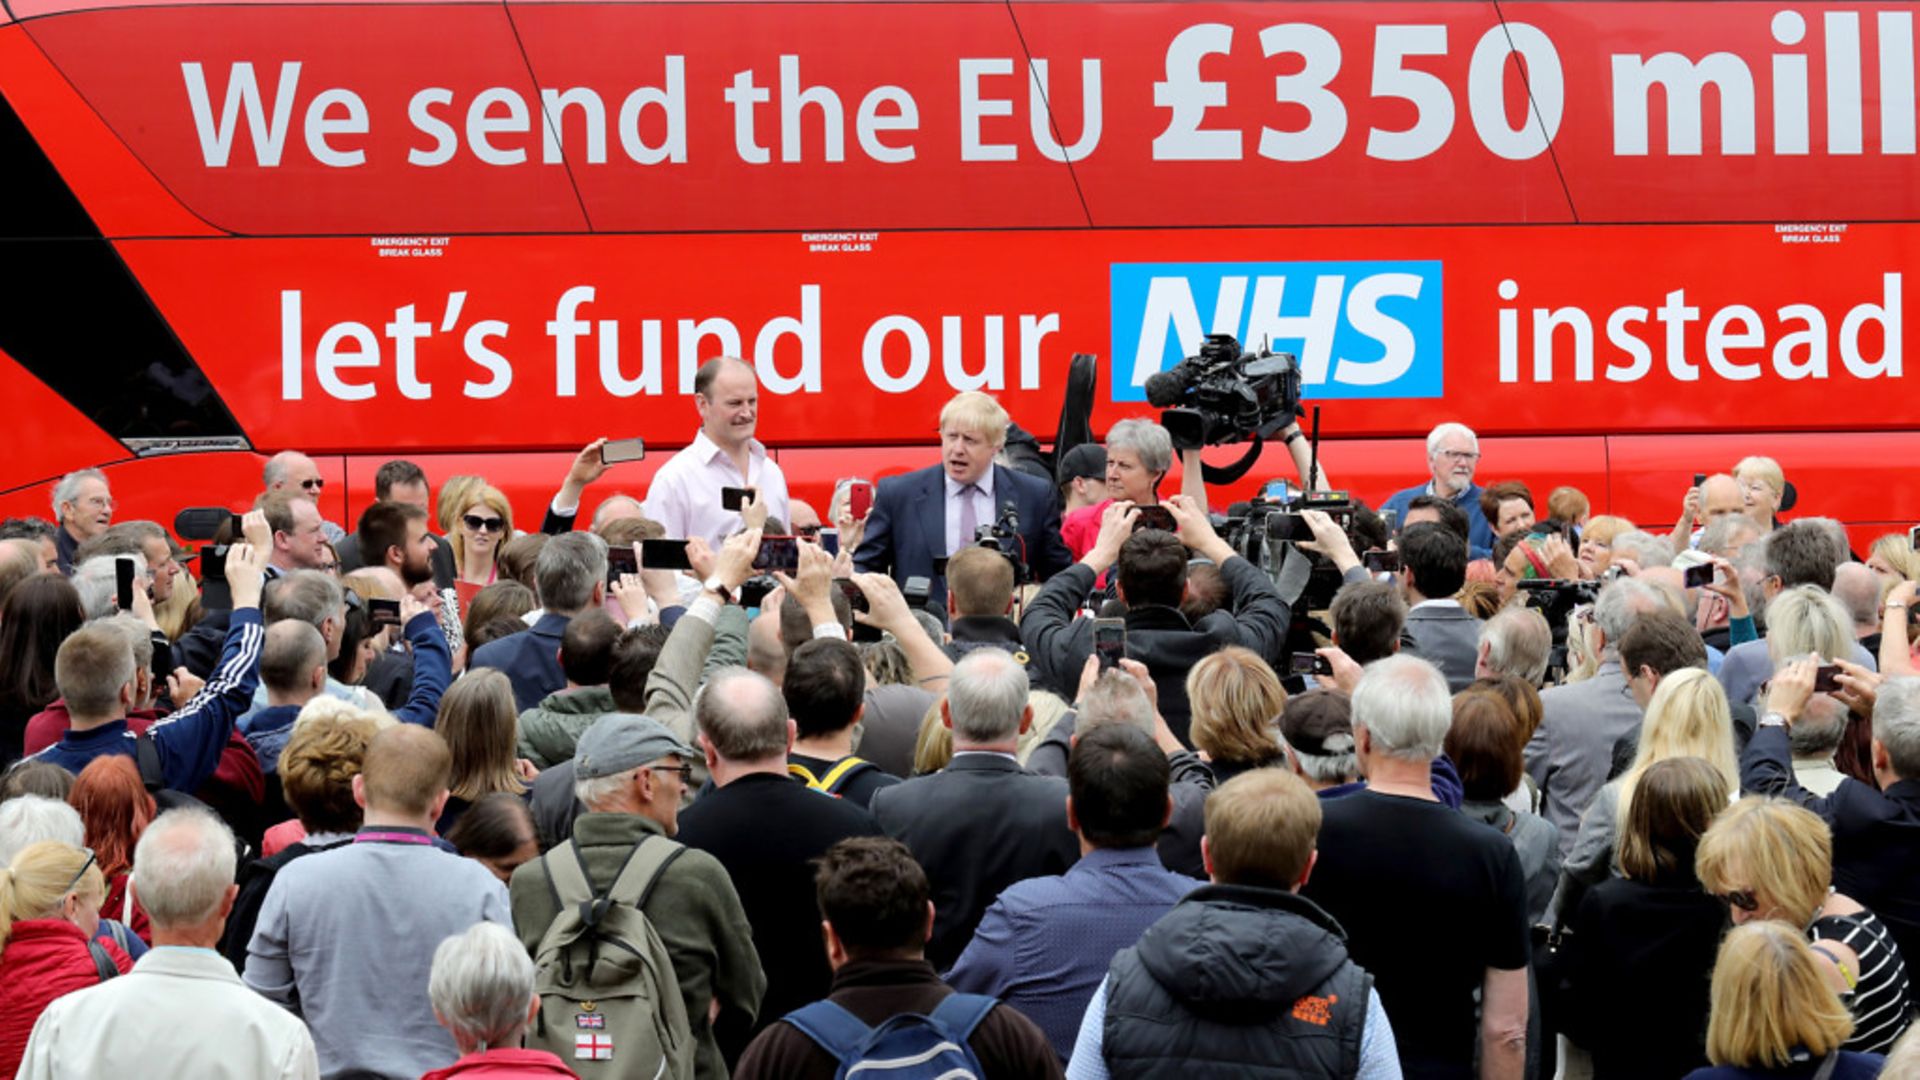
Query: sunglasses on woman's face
1742, 899
483, 524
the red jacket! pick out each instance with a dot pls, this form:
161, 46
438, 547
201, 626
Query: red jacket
502, 1065
237, 782
43, 959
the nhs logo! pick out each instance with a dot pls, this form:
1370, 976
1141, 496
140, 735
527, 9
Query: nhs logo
1360, 329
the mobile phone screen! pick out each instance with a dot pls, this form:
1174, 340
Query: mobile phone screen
664, 555
1110, 641
384, 612
778, 553
622, 559
1695, 576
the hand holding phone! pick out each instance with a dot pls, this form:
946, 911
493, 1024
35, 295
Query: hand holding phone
1826, 678
621, 559
733, 498
383, 612
778, 553
1695, 576
1311, 663
859, 499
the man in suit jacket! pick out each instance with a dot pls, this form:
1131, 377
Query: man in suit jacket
1152, 579
936, 511
1571, 751
572, 575
1433, 566
982, 823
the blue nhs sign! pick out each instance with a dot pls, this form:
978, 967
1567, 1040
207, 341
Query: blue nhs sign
1360, 329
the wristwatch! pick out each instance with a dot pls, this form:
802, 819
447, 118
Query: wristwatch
715, 585
1773, 719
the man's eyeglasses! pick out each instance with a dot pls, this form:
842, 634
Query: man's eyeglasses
685, 771
1461, 455
75, 883
1742, 899
483, 524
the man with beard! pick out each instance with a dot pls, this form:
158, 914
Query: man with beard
1453, 451
394, 534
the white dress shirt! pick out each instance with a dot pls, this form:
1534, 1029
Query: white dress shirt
685, 494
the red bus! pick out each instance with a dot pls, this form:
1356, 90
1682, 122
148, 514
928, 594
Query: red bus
1626, 242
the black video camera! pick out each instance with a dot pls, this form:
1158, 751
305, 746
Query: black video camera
1003, 536
1225, 395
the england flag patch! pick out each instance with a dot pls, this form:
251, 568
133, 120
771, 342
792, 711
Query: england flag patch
592, 1048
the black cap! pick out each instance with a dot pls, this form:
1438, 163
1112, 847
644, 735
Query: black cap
1084, 460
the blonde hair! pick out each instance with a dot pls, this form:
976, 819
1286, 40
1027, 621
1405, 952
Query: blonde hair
1261, 827
181, 609
1688, 717
480, 723
1236, 701
40, 877
1780, 851
453, 499
1896, 549
933, 747
1764, 469
1807, 619
480, 494
1770, 999
1603, 528
971, 410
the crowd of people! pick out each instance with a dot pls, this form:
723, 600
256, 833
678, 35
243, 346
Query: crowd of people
1020, 768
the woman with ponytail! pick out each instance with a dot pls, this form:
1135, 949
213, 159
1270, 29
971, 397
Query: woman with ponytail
49, 907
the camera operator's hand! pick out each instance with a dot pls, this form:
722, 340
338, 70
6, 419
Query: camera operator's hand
1726, 584
734, 565
812, 584
255, 530
1346, 672
1116, 524
1790, 687
1196, 531
246, 575
1329, 539
1560, 559
753, 510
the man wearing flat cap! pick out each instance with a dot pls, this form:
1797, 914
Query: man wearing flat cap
631, 772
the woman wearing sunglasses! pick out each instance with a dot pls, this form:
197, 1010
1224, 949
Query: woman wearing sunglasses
49, 908
1769, 859
483, 523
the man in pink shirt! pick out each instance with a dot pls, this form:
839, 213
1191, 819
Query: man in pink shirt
685, 495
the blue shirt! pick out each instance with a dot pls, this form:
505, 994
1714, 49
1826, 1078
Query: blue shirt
1479, 533
1379, 1056
1045, 945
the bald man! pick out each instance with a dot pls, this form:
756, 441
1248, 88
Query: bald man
291, 470
685, 496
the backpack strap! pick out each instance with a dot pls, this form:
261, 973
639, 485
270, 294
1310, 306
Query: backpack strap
832, 1028
847, 769
804, 775
961, 1013
146, 755
117, 930
103, 964
644, 867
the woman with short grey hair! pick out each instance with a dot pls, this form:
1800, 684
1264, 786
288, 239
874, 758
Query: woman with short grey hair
481, 986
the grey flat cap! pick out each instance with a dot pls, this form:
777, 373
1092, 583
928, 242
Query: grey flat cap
621, 741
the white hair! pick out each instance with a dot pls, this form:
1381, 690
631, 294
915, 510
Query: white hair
1328, 768
96, 582
594, 792
1148, 440
1643, 548
987, 693
1114, 698
68, 489
26, 820
1440, 434
1618, 603
481, 986
1518, 642
1857, 588
182, 867
1896, 724
1403, 703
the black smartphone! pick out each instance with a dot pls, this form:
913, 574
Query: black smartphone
778, 553
615, 451
1826, 678
1311, 663
664, 555
916, 591
732, 498
1380, 560
855, 598
383, 612
1695, 576
1155, 517
1110, 642
830, 541
1699, 478
1288, 527
623, 559
213, 563
123, 574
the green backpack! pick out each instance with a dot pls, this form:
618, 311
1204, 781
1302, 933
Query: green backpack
610, 1004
